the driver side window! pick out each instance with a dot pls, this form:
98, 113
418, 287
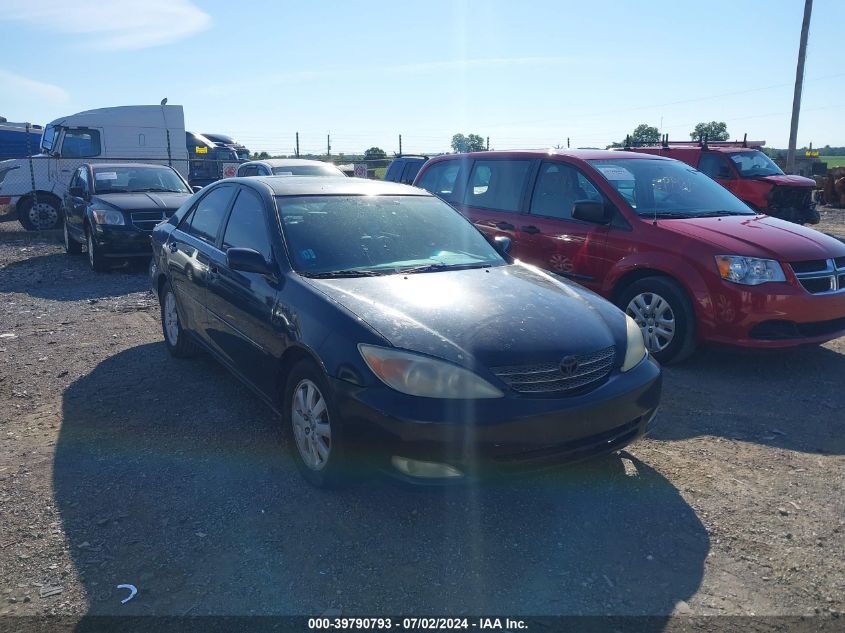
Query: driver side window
714, 166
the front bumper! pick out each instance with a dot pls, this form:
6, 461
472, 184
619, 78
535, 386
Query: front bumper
122, 241
481, 437
771, 316
8, 208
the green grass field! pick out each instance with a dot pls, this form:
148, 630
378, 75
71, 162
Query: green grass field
834, 161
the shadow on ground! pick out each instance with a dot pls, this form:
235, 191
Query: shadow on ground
170, 476
62, 278
790, 399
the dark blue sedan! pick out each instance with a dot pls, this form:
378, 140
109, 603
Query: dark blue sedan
387, 331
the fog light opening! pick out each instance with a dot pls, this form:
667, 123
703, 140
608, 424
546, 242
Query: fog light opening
424, 470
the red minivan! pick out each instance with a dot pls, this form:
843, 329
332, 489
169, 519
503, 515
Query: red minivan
683, 256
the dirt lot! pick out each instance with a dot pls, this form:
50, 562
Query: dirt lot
121, 465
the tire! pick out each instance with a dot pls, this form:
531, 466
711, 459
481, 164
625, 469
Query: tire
72, 247
319, 461
652, 300
96, 260
177, 341
41, 213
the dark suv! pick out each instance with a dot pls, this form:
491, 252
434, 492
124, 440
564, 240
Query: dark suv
404, 168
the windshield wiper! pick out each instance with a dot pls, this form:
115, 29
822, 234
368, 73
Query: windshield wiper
343, 273
664, 214
431, 268
719, 214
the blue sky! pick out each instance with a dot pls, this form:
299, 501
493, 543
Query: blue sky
526, 74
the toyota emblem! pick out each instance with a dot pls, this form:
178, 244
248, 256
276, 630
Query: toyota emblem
568, 366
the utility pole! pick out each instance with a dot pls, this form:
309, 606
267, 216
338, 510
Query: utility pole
488, 143
567, 142
297, 144
799, 84
400, 144
328, 145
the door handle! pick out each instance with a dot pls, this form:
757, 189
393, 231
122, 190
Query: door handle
531, 229
505, 226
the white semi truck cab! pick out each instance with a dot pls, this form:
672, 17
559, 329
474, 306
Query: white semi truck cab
32, 188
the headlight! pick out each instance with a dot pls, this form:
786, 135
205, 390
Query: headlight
422, 376
749, 271
635, 350
108, 216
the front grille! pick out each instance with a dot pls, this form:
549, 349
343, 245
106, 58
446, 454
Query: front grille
146, 220
821, 275
592, 370
785, 197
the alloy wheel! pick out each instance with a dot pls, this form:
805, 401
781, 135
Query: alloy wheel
311, 427
171, 319
656, 319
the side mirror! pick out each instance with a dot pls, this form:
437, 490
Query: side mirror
196, 188
77, 192
502, 244
590, 211
248, 261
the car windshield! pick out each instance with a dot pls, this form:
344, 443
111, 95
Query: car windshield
349, 235
755, 163
668, 188
136, 179
307, 170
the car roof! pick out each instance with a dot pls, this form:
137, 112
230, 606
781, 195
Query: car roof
330, 186
99, 166
696, 147
287, 162
582, 154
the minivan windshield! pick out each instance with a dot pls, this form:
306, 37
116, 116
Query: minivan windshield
668, 188
357, 235
754, 164
115, 179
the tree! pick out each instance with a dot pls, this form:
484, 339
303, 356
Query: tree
471, 143
261, 156
714, 131
375, 153
645, 134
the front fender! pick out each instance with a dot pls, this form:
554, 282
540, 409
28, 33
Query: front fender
690, 278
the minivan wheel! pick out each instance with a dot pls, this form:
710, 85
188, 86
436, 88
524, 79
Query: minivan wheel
315, 425
661, 309
72, 247
177, 341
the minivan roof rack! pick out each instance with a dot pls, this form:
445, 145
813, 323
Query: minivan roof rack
703, 143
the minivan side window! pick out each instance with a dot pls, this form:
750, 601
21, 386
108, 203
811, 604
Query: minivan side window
410, 171
715, 166
248, 170
440, 178
246, 227
206, 219
497, 184
557, 188
81, 143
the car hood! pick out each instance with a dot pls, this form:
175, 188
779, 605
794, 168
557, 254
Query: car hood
789, 181
758, 236
499, 316
143, 201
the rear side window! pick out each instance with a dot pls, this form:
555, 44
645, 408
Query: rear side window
714, 165
411, 170
206, 219
394, 170
81, 143
497, 184
248, 170
440, 178
246, 227
558, 187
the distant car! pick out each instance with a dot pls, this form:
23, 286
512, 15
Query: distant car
288, 167
744, 170
385, 328
404, 168
110, 209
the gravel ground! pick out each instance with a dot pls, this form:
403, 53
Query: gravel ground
121, 465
